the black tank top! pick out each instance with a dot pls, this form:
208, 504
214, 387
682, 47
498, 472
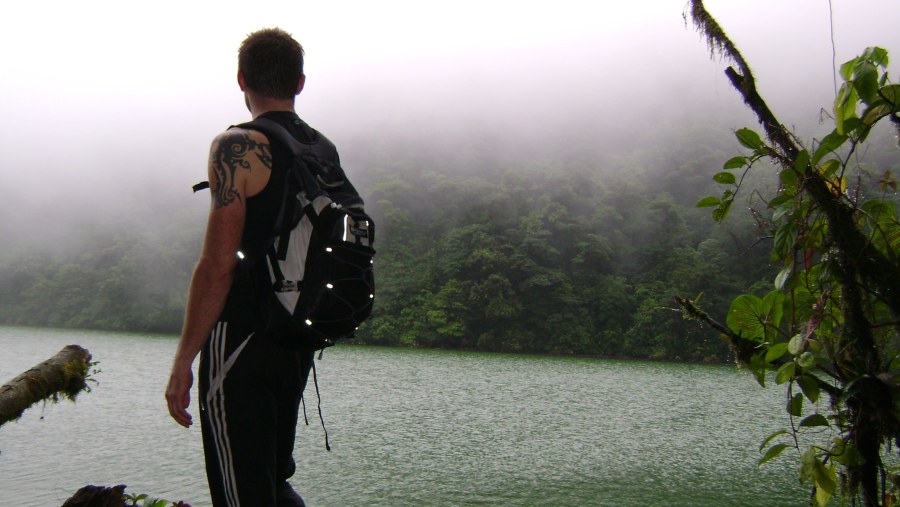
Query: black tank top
243, 305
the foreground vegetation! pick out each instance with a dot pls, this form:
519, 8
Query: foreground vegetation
830, 326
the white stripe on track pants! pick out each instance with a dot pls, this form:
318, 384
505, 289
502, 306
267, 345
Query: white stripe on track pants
250, 389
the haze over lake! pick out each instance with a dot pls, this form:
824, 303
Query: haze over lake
109, 106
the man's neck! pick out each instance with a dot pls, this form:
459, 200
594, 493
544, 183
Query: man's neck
261, 105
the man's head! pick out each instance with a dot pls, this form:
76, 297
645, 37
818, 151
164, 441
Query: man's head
271, 63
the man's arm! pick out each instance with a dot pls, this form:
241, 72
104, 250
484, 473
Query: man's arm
238, 162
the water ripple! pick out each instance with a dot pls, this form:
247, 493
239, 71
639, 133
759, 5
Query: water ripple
419, 428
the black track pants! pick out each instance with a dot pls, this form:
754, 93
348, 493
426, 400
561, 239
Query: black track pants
250, 391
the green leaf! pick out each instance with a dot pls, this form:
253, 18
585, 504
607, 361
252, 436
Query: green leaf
721, 213
735, 162
751, 316
810, 387
785, 373
781, 211
801, 162
845, 453
814, 420
847, 69
783, 276
879, 209
824, 477
708, 202
852, 124
807, 463
830, 143
724, 178
807, 360
788, 177
785, 238
742, 316
814, 345
865, 81
749, 139
891, 94
770, 437
772, 453
795, 404
795, 346
773, 304
776, 351
829, 168
781, 198
877, 56
844, 106
759, 368
875, 112
822, 496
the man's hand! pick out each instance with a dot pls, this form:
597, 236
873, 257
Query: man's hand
178, 394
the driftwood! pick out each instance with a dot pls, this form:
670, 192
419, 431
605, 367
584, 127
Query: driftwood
65, 373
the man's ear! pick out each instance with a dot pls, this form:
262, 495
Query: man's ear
300, 84
240, 79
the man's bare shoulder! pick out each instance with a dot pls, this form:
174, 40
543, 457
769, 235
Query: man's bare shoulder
239, 161
239, 142
240, 134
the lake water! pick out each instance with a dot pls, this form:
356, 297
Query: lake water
419, 428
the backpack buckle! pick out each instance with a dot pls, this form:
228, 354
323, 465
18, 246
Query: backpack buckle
285, 286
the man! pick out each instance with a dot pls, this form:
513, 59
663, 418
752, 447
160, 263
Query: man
250, 382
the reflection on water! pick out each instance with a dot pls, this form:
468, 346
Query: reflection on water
419, 428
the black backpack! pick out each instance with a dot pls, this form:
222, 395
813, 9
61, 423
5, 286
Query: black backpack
316, 284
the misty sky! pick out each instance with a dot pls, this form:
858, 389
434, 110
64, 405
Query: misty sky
103, 99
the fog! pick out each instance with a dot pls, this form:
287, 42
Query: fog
109, 107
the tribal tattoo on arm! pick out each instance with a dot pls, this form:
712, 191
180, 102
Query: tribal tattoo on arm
232, 151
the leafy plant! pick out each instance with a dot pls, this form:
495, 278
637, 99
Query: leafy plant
829, 329
143, 500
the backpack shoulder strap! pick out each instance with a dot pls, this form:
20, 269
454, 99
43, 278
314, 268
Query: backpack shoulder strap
277, 133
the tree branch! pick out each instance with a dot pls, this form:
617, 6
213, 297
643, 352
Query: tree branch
742, 347
861, 257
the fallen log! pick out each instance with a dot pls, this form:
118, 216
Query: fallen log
65, 373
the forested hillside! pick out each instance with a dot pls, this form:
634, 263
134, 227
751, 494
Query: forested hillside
568, 251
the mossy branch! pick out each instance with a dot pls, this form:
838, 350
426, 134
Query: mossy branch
744, 349
65, 373
860, 258
717, 41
